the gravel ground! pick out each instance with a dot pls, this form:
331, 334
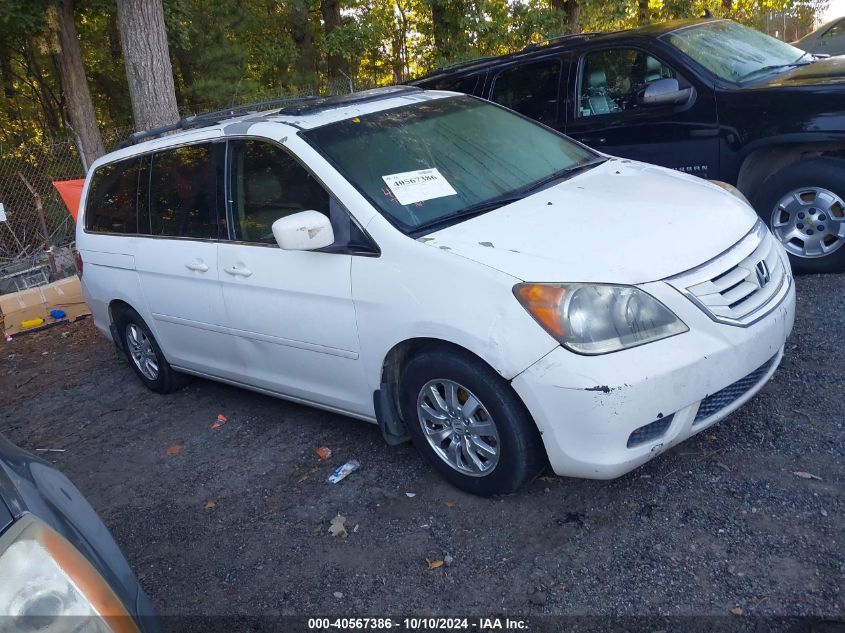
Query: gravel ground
235, 520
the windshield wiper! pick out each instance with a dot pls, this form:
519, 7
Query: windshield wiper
470, 211
566, 172
508, 198
764, 69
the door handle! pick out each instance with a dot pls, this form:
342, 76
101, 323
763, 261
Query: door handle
594, 140
197, 265
238, 270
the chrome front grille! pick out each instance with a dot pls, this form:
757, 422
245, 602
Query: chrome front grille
739, 284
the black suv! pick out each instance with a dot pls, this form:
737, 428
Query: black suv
708, 97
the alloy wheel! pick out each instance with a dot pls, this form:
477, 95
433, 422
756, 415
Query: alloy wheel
141, 351
810, 222
458, 427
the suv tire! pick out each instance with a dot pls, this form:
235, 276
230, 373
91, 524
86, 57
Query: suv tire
806, 188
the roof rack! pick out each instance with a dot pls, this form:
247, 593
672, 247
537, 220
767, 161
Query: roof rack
317, 104
211, 118
289, 106
464, 64
558, 39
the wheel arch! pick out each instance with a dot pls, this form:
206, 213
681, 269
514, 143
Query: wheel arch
386, 398
765, 161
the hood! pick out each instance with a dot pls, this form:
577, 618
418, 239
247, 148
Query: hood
823, 72
621, 222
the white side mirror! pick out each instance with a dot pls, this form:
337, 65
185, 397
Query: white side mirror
303, 231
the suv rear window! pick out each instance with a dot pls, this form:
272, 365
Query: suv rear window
113, 199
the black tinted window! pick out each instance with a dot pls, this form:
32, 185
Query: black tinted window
184, 192
530, 89
269, 184
467, 85
112, 200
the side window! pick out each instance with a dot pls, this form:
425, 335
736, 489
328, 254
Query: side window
530, 89
184, 193
467, 85
612, 80
268, 184
836, 30
113, 197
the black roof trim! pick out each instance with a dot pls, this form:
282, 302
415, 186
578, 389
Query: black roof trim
214, 117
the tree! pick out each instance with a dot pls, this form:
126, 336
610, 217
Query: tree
144, 41
80, 108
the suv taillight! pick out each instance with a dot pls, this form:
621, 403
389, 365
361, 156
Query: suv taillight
78, 256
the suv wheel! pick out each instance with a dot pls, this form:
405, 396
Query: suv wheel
145, 355
469, 423
804, 206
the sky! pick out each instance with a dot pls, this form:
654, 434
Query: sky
836, 9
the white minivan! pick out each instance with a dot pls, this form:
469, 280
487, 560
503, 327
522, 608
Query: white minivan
465, 277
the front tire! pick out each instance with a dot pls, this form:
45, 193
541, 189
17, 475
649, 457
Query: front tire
469, 423
804, 206
145, 355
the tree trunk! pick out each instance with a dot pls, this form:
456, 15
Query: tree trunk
642, 12
727, 5
572, 10
148, 69
331, 20
442, 29
306, 65
74, 84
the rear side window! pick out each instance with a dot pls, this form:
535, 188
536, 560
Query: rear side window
530, 89
113, 199
467, 85
183, 194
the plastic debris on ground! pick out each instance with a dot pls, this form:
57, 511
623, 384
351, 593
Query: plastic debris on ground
324, 453
221, 420
337, 526
344, 471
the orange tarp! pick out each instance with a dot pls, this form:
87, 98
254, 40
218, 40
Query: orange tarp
71, 193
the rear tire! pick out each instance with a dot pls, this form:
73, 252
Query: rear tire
469, 423
145, 356
804, 206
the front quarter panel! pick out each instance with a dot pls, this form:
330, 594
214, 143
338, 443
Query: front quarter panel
755, 119
418, 290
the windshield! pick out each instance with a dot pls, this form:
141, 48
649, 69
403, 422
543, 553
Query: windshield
431, 162
734, 52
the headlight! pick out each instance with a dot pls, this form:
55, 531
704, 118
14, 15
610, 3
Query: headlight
598, 318
736, 193
45, 580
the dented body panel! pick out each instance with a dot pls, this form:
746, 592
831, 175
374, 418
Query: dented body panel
587, 406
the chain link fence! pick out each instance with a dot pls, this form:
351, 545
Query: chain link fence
36, 228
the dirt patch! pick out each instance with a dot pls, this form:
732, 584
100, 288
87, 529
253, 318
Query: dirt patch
236, 521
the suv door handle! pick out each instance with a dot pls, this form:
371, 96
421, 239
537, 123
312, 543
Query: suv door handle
238, 270
593, 140
197, 265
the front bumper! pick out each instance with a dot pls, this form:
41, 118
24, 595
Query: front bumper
588, 407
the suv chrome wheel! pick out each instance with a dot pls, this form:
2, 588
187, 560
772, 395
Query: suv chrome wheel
458, 427
141, 351
810, 222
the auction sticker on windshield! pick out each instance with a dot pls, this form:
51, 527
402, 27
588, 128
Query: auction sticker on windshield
417, 186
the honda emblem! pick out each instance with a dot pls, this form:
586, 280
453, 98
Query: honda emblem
763, 275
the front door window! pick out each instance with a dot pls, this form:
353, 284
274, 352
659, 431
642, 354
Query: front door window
612, 81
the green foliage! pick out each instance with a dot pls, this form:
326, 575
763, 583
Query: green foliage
226, 51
